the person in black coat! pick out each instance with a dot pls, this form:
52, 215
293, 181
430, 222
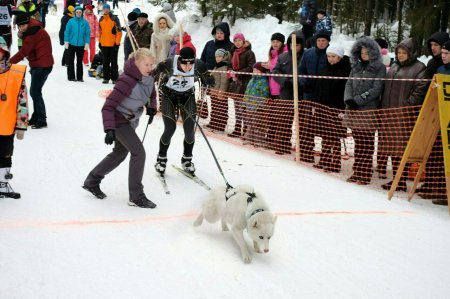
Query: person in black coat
280, 130
67, 15
221, 33
330, 94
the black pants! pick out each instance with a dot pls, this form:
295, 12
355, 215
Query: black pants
280, 128
172, 106
219, 111
71, 53
110, 67
6, 150
364, 147
331, 132
39, 76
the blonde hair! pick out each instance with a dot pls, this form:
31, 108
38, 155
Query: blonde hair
141, 53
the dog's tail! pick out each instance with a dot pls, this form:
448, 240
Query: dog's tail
211, 211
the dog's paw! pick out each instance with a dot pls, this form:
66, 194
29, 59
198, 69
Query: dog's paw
246, 258
198, 221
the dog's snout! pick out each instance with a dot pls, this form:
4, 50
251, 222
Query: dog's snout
266, 250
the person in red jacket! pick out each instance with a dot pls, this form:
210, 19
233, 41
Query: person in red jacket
37, 48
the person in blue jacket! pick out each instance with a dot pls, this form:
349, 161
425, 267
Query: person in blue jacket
76, 40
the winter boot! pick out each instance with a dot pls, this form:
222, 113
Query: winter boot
95, 190
188, 166
142, 202
161, 164
5, 187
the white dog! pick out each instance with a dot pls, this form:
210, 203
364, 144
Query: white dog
241, 208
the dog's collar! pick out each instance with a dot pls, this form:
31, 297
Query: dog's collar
256, 211
250, 197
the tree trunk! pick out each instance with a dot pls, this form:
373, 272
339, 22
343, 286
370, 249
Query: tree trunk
368, 18
400, 20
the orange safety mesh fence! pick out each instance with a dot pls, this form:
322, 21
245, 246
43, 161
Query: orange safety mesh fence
362, 147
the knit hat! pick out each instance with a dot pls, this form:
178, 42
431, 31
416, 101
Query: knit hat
336, 49
22, 20
142, 15
187, 55
322, 34
221, 52
322, 12
382, 43
166, 6
106, 6
278, 36
132, 16
259, 67
78, 8
136, 10
446, 45
69, 11
239, 36
89, 6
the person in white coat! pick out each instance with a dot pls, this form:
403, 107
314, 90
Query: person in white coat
160, 44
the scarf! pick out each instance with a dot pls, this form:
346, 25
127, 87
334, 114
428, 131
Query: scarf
235, 59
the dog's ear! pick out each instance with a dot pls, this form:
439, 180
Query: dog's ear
255, 223
274, 219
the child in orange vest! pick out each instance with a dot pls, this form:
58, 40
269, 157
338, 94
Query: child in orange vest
13, 113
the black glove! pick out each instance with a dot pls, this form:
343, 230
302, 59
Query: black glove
288, 84
210, 81
110, 136
352, 104
151, 113
116, 47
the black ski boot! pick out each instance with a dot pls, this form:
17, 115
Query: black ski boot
161, 164
188, 166
5, 188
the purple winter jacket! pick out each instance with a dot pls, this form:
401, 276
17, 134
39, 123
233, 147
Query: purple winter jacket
126, 102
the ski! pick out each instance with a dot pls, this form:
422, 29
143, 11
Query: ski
193, 177
162, 179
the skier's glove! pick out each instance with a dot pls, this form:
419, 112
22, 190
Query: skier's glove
151, 113
110, 137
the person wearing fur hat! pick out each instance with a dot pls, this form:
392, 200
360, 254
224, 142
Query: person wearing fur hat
330, 94
219, 101
313, 62
177, 78
160, 44
361, 97
280, 130
397, 124
37, 48
13, 113
77, 37
109, 43
92, 20
242, 60
221, 33
256, 94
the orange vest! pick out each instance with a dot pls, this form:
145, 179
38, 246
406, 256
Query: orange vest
10, 83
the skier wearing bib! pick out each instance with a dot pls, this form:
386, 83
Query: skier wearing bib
177, 78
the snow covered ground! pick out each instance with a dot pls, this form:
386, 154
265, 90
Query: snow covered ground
332, 239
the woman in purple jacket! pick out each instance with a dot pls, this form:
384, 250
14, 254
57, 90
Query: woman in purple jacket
121, 112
